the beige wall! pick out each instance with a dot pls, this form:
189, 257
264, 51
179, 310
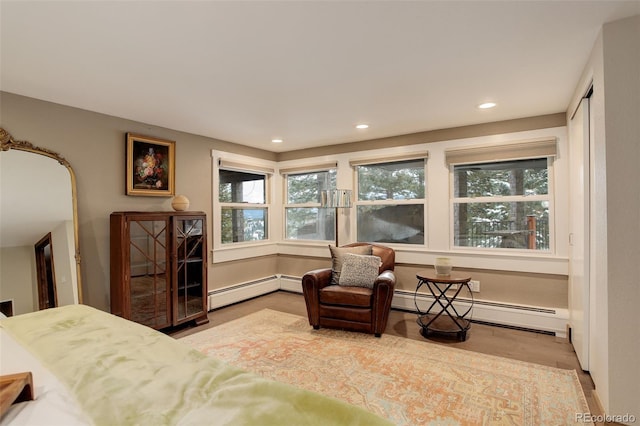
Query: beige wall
518, 288
18, 273
472, 131
18, 279
500, 286
239, 271
94, 145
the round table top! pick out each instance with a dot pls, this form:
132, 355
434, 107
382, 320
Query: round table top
453, 278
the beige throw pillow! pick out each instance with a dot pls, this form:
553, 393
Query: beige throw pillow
337, 257
359, 270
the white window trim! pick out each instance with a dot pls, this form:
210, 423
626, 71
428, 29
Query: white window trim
365, 161
241, 166
549, 197
298, 170
438, 209
526, 149
505, 198
245, 249
374, 160
285, 192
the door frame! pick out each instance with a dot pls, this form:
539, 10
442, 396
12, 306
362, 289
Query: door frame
580, 229
46, 275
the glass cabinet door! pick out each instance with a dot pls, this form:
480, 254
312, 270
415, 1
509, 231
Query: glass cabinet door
189, 238
149, 290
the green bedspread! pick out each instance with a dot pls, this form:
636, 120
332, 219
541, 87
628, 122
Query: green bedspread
123, 373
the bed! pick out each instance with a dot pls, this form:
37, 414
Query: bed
91, 367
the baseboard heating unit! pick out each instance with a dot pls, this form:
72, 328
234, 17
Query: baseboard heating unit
531, 318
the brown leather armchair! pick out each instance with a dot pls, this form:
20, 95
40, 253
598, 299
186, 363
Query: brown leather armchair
351, 308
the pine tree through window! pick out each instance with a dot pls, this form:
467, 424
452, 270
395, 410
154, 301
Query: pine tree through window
502, 204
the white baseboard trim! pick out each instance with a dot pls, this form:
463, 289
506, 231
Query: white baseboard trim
239, 292
535, 318
293, 284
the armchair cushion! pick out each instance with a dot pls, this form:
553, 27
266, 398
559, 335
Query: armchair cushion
335, 295
359, 270
337, 257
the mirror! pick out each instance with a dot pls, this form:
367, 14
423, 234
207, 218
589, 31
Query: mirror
39, 250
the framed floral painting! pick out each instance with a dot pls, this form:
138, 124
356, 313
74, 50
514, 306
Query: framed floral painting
150, 166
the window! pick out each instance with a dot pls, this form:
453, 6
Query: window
502, 204
390, 205
244, 212
304, 219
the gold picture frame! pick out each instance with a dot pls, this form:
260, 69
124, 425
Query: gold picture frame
150, 166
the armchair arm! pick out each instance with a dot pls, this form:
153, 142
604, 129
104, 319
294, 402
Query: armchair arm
382, 296
317, 277
386, 278
312, 282
383, 289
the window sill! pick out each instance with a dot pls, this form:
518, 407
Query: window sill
241, 251
491, 260
315, 248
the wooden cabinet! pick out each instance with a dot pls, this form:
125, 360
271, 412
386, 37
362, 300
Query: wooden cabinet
159, 267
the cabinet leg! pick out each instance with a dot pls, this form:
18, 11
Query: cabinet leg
202, 320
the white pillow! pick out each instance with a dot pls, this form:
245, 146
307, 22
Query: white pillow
359, 270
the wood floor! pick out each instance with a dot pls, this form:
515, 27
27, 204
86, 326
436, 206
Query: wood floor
515, 344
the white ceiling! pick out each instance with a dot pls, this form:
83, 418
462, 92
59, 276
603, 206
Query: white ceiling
303, 71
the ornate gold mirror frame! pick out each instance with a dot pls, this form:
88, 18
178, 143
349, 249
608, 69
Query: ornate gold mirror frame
7, 142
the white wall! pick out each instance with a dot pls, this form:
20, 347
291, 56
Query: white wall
621, 62
614, 69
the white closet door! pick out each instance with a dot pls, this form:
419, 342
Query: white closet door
579, 232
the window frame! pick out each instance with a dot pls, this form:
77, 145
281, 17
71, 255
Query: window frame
285, 197
549, 197
242, 164
355, 164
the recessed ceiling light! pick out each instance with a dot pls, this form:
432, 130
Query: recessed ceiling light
362, 126
276, 140
487, 105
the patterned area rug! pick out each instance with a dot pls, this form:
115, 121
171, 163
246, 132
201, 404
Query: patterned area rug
407, 381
